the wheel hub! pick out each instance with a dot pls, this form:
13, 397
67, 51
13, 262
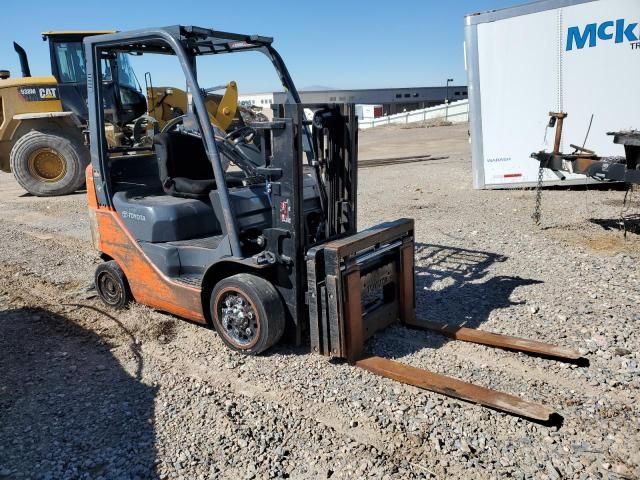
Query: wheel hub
47, 165
239, 319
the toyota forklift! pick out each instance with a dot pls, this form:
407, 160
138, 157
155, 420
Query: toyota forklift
268, 249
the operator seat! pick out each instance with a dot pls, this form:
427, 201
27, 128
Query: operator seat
183, 165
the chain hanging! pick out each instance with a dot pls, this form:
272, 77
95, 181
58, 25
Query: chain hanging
537, 212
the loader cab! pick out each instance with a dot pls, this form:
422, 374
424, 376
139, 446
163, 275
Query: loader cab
123, 94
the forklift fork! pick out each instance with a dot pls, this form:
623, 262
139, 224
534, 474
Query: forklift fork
363, 283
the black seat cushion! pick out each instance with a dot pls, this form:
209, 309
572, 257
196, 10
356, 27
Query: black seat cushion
156, 217
183, 165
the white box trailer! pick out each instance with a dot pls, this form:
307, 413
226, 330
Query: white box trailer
576, 56
368, 112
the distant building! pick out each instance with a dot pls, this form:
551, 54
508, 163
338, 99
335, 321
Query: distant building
392, 100
262, 100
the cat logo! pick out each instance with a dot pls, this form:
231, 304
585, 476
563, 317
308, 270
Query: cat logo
39, 94
48, 93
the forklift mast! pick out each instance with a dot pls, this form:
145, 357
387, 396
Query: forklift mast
333, 165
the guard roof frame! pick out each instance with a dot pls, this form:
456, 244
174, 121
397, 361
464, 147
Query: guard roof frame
185, 42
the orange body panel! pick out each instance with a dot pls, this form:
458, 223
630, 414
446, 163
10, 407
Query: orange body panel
92, 201
149, 285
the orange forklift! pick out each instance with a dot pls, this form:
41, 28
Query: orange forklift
266, 249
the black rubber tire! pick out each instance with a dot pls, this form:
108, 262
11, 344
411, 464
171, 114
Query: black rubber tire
70, 147
112, 286
267, 304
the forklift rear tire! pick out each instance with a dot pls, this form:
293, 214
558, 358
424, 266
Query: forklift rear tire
48, 163
247, 313
112, 285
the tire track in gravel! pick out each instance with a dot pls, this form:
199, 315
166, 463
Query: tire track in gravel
60, 259
43, 233
323, 414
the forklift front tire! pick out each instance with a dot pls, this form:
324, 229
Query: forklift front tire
112, 286
247, 313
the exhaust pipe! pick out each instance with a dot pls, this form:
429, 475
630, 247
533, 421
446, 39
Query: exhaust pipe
24, 61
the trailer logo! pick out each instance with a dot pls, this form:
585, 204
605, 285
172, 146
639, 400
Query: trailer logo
618, 30
38, 94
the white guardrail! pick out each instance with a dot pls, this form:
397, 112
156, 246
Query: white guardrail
458, 112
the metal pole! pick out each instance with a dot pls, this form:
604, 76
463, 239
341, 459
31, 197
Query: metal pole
558, 139
446, 100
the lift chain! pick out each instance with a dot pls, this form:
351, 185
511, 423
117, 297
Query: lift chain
537, 210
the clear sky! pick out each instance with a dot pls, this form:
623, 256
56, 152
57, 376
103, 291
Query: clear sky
338, 44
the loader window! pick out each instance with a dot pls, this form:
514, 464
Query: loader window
71, 66
70, 59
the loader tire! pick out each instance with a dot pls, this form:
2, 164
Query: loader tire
49, 163
247, 313
112, 286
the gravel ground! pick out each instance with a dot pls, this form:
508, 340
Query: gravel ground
86, 392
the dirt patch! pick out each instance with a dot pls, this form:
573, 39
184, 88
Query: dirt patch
610, 243
604, 243
394, 141
129, 327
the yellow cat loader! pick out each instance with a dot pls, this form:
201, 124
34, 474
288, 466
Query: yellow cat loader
42, 119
